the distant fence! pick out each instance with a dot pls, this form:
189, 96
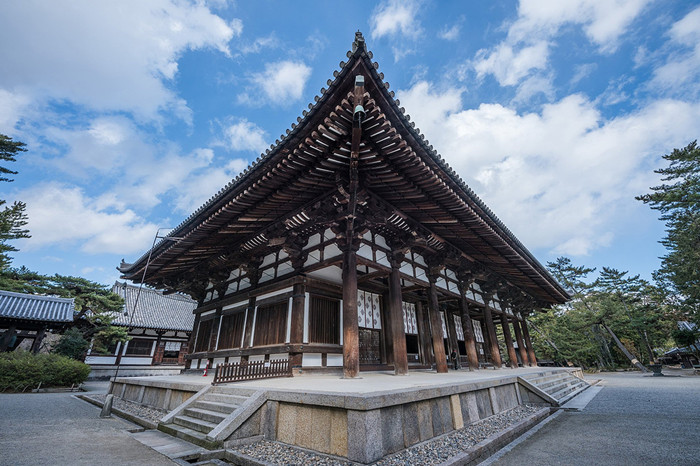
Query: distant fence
238, 371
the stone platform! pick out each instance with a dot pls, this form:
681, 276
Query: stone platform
360, 419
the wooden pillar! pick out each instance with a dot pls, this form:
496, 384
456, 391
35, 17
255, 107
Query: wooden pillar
509, 341
469, 340
160, 349
398, 333
530, 350
451, 334
247, 343
424, 339
296, 332
191, 341
351, 335
436, 327
522, 349
36, 345
491, 332
6, 339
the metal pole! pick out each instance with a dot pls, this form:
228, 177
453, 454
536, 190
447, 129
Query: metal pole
138, 293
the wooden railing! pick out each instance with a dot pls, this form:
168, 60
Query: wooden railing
237, 371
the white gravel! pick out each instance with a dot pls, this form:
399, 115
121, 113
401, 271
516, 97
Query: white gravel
151, 414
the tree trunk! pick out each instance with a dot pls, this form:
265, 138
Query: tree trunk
549, 342
604, 350
629, 355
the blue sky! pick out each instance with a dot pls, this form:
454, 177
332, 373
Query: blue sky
135, 113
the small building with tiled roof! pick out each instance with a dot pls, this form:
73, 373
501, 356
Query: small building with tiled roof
25, 316
159, 326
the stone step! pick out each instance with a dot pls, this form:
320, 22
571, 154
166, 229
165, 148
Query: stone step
228, 390
560, 385
191, 435
215, 406
551, 383
574, 393
205, 415
559, 395
194, 423
234, 400
539, 379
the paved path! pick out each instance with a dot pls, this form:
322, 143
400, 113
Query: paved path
57, 428
635, 419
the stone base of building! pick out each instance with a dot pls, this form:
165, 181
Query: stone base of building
107, 372
339, 417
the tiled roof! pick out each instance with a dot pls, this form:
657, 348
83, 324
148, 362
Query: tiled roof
34, 307
154, 310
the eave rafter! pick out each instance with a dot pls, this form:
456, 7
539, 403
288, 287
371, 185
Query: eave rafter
396, 165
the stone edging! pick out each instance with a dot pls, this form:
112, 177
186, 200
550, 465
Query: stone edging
121, 413
493, 443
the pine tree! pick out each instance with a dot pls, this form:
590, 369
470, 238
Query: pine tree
12, 218
678, 200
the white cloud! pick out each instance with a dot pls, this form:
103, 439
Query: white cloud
282, 82
510, 66
574, 170
119, 160
398, 20
395, 18
683, 66
526, 47
201, 187
105, 55
451, 33
244, 136
62, 215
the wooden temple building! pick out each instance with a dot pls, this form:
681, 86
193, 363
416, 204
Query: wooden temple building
159, 327
351, 243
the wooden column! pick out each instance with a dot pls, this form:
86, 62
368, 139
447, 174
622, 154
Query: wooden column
530, 350
190, 342
509, 341
248, 333
351, 335
451, 334
491, 331
398, 333
424, 334
436, 327
522, 349
296, 332
469, 340
158, 354
36, 345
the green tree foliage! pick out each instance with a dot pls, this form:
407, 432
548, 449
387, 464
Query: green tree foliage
678, 201
685, 338
12, 218
72, 345
612, 320
95, 304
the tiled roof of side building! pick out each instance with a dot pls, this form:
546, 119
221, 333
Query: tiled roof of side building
154, 310
36, 308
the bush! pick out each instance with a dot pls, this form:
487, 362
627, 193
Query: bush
22, 370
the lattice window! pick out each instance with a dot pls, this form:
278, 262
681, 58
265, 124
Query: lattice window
410, 323
368, 310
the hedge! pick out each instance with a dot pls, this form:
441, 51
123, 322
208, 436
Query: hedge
22, 370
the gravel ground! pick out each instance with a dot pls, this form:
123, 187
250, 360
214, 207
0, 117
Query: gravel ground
431, 452
151, 414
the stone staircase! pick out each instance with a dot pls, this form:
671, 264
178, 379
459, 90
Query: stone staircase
557, 387
212, 410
